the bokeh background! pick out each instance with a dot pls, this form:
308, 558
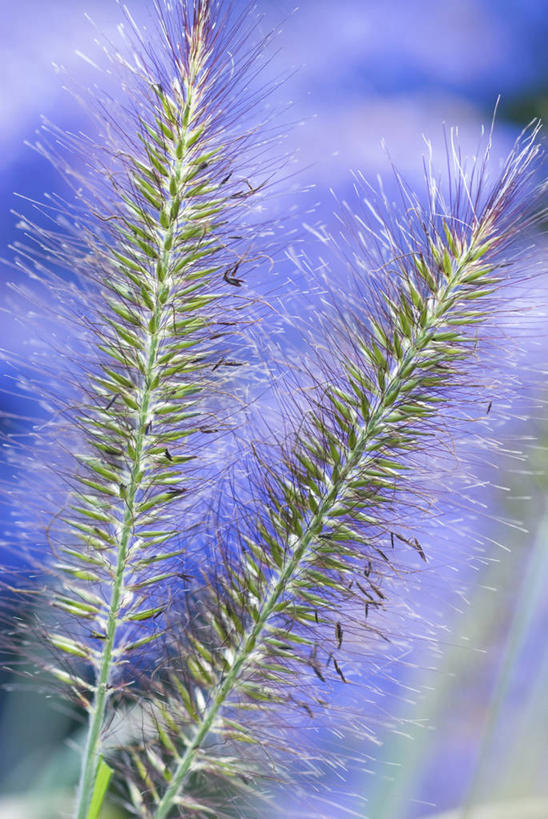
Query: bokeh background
468, 715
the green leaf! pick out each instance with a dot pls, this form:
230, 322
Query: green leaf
69, 646
104, 773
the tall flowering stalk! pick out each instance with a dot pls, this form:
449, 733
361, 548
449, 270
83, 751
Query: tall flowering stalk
315, 552
160, 255
159, 246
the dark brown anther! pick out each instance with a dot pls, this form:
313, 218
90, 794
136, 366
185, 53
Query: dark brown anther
316, 617
489, 405
367, 571
339, 633
392, 539
168, 455
318, 673
414, 545
217, 364
184, 576
148, 428
307, 708
226, 178
176, 490
419, 549
377, 591
207, 430
230, 276
112, 400
364, 591
338, 670
366, 609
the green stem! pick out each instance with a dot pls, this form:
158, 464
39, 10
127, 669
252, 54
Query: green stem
90, 762
442, 302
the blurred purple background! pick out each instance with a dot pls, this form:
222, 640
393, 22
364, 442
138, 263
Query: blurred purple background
358, 72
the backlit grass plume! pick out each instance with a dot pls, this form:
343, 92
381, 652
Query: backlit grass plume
162, 227
270, 635
272, 616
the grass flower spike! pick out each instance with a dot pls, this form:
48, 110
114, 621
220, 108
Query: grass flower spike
159, 244
314, 553
221, 655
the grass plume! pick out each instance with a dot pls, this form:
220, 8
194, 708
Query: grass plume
312, 557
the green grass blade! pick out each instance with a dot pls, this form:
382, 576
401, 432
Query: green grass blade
104, 773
